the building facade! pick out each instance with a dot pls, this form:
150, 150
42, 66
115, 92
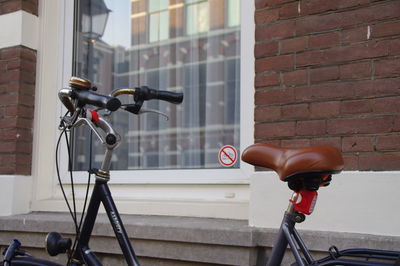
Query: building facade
290, 73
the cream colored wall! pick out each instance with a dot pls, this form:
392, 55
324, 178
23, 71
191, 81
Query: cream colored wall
19, 28
358, 202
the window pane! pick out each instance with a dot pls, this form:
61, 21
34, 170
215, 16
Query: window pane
156, 5
191, 19
197, 18
164, 25
202, 17
129, 54
154, 27
233, 12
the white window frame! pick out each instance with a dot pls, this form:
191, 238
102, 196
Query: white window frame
201, 176
56, 29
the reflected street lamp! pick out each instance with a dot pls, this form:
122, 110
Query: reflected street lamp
94, 19
93, 23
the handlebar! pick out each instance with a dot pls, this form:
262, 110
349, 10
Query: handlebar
65, 98
98, 100
81, 93
146, 93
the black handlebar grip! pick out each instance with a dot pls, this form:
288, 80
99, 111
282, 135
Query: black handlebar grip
92, 98
147, 93
172, 97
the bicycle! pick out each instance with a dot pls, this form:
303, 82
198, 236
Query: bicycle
75, 99
306, 170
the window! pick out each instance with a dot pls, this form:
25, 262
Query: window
233, 13
159, 20
197, 16
206, 68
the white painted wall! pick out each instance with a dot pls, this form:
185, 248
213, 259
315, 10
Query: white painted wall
18, 28
359, 202
15, 194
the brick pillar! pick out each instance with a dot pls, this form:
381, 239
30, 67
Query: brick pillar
17, 90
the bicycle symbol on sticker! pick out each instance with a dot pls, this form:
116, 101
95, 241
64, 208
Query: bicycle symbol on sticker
227, 156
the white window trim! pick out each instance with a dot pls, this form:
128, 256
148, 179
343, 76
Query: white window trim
60, 23
49, 69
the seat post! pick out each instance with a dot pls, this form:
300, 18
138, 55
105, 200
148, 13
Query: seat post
287, 235
295, 197
283, 237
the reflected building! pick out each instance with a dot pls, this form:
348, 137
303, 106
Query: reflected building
187, 46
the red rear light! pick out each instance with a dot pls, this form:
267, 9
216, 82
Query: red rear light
306, 202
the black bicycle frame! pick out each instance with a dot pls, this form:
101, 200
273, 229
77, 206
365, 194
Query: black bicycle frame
101, 194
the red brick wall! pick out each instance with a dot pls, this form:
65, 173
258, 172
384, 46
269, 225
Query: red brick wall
328, 72
17, 89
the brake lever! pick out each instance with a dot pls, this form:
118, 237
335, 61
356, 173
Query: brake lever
143, 110
67, 122
81, 121
106, 113
137, 109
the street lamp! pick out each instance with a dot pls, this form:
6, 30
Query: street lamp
92, 16
94, 19
93, 23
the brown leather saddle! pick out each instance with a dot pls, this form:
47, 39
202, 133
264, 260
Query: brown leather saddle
308, 168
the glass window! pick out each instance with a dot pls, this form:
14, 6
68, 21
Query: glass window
157, 5
129, 53
159, 26
233, 13
197, 17
159, 20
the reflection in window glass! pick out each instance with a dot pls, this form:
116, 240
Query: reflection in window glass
233, 13
157, 5
197, 18
159, 27
159, 20
160, 45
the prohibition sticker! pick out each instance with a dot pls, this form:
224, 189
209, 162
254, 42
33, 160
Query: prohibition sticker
227, 156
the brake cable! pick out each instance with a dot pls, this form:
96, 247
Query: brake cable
73, 213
